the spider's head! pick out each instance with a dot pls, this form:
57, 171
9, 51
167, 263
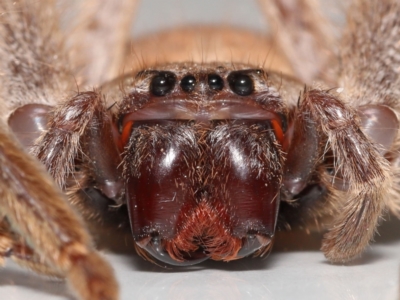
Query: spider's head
202, 162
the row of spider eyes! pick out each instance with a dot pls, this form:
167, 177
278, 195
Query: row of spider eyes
165, 81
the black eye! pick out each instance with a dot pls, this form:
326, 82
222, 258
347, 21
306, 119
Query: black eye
188, 83
162, 83
241, 84
215, 82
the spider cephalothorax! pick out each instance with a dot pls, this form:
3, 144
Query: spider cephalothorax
203, 155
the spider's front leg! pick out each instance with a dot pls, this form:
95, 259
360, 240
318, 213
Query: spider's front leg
15, 247
357, 159
38, 213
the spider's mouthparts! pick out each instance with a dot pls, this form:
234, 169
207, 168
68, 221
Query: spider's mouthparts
253, 243
170, 252
196, 192
204, 234
154, 247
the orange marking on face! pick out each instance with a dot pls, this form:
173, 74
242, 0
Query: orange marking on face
126, 133
278, 131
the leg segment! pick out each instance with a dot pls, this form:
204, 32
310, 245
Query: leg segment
303, 35
6, 242
82, 127
13, 246
370, 67
99, 39
363, 168
41, 216
34, 66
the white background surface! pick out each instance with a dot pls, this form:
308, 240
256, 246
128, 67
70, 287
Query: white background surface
295, 270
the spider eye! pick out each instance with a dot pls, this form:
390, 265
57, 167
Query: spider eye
188, 83
162, 83
241, 84
215, 82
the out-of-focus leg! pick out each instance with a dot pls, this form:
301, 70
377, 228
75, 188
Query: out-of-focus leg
37, 211
304, 35
98, 38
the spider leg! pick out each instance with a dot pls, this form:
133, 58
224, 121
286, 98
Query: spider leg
38, 212
304, 35
370, 67
365, 171
34, 66
82, 126
13, 246
99, 38
6, 242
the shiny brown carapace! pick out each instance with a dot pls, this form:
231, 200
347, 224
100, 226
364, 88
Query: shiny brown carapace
201, 154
